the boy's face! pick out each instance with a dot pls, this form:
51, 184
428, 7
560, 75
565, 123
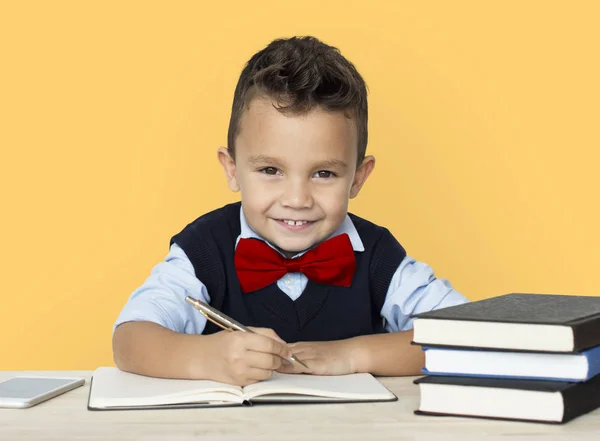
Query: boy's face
295, 172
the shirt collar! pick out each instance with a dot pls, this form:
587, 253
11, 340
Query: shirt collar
347, 227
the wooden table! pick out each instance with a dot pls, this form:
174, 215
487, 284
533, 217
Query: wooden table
66, 418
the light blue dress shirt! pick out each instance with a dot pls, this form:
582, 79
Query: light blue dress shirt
413, 289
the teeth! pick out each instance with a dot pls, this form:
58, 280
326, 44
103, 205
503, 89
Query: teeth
294, 223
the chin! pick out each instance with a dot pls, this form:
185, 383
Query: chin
294, 246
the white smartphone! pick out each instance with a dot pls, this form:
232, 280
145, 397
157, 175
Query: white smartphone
21, 392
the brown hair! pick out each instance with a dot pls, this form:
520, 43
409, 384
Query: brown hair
299, 74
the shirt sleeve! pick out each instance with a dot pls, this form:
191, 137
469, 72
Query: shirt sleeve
161, 299
415, 289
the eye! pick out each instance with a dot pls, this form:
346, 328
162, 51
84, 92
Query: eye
269, 170
325, 174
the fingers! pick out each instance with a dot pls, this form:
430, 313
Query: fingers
290, 368
248, 357
263, 360
296, 368
306, 349
255, 374
262, 343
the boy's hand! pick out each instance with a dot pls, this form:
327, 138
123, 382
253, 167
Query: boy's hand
322, 358
243, 358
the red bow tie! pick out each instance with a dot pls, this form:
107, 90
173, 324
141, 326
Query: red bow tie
258, 265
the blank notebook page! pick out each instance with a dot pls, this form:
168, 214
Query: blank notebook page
351, 386
113, 385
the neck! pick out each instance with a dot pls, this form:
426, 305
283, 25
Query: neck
289, 254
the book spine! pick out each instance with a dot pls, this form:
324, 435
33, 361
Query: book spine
593, 360
586, 333
581, 398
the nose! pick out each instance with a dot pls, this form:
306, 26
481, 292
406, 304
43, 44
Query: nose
297, 194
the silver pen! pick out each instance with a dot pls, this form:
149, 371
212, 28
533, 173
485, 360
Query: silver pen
224, 321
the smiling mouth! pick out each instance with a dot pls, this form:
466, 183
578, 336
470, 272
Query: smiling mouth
294, 222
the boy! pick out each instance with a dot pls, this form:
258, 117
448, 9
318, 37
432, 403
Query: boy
334, 289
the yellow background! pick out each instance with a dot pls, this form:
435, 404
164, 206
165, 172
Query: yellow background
484, 117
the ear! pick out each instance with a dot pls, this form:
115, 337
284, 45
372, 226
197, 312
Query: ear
361, 175
228, 165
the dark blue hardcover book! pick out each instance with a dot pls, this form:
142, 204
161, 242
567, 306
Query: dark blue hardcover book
577, 367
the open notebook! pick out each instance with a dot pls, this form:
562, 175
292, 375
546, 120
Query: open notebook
113, 389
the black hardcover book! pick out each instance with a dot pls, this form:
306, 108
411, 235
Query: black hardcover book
527, 322
523, 400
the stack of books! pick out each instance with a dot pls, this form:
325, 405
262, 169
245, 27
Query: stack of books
528, 357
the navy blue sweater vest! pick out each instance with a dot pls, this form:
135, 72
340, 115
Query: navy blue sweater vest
322, 312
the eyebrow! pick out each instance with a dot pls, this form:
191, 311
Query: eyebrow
262, 159
331, 163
